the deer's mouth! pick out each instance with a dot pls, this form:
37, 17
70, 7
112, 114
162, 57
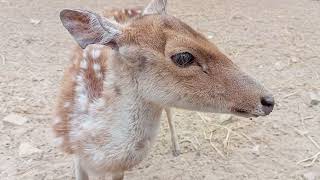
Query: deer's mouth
244, 113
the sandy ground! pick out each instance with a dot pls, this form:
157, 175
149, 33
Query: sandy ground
276, 41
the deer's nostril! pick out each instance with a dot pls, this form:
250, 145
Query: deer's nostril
267, 101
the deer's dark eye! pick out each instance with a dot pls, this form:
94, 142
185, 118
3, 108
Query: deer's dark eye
183, 59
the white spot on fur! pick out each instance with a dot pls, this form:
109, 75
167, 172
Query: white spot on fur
81, 94
80, 89
95, 53
66, 105
129, 12
82, 102
57, 141
84, 64
96, 67
56, 120
88, 124
85, 54
79, 79
98, 156
123, 11
75, 133
100, 102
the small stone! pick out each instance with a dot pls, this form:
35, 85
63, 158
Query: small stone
237, 17
256, 150
210, 36
314, 98
26, 149
35, 21
279, 66
294, 59
15, 119
225, 118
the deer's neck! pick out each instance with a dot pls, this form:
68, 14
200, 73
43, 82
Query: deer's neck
137, 119
140, 119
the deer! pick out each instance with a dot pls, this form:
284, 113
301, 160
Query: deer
123, 75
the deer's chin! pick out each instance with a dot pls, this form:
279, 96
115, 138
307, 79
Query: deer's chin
246, 114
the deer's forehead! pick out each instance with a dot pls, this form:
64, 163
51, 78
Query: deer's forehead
163, 23
156, 31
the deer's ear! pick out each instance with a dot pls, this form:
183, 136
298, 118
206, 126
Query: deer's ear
89, 28
155, 7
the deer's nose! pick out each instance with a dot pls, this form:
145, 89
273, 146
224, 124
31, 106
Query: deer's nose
268, 104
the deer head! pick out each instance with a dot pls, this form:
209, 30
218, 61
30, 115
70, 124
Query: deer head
173, 64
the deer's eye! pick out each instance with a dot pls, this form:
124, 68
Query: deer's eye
183, 59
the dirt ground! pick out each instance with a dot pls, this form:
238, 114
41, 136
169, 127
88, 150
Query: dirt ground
276, 41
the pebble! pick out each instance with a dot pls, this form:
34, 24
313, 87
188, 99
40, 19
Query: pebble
35, 21
26, 149
15, 119
314, 98
279, 66
294, 59
237, 17
256, 150
225, 119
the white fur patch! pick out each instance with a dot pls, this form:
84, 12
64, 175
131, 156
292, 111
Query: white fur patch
83, 101
81, 94
100, 102
85, 54
56, 120
95, 53
87, 124
66, 105
98, 156
84, 64
57, 141
80, 90
129, 12
79, 79
96, 67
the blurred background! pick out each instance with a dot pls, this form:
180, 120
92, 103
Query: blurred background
276, 41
